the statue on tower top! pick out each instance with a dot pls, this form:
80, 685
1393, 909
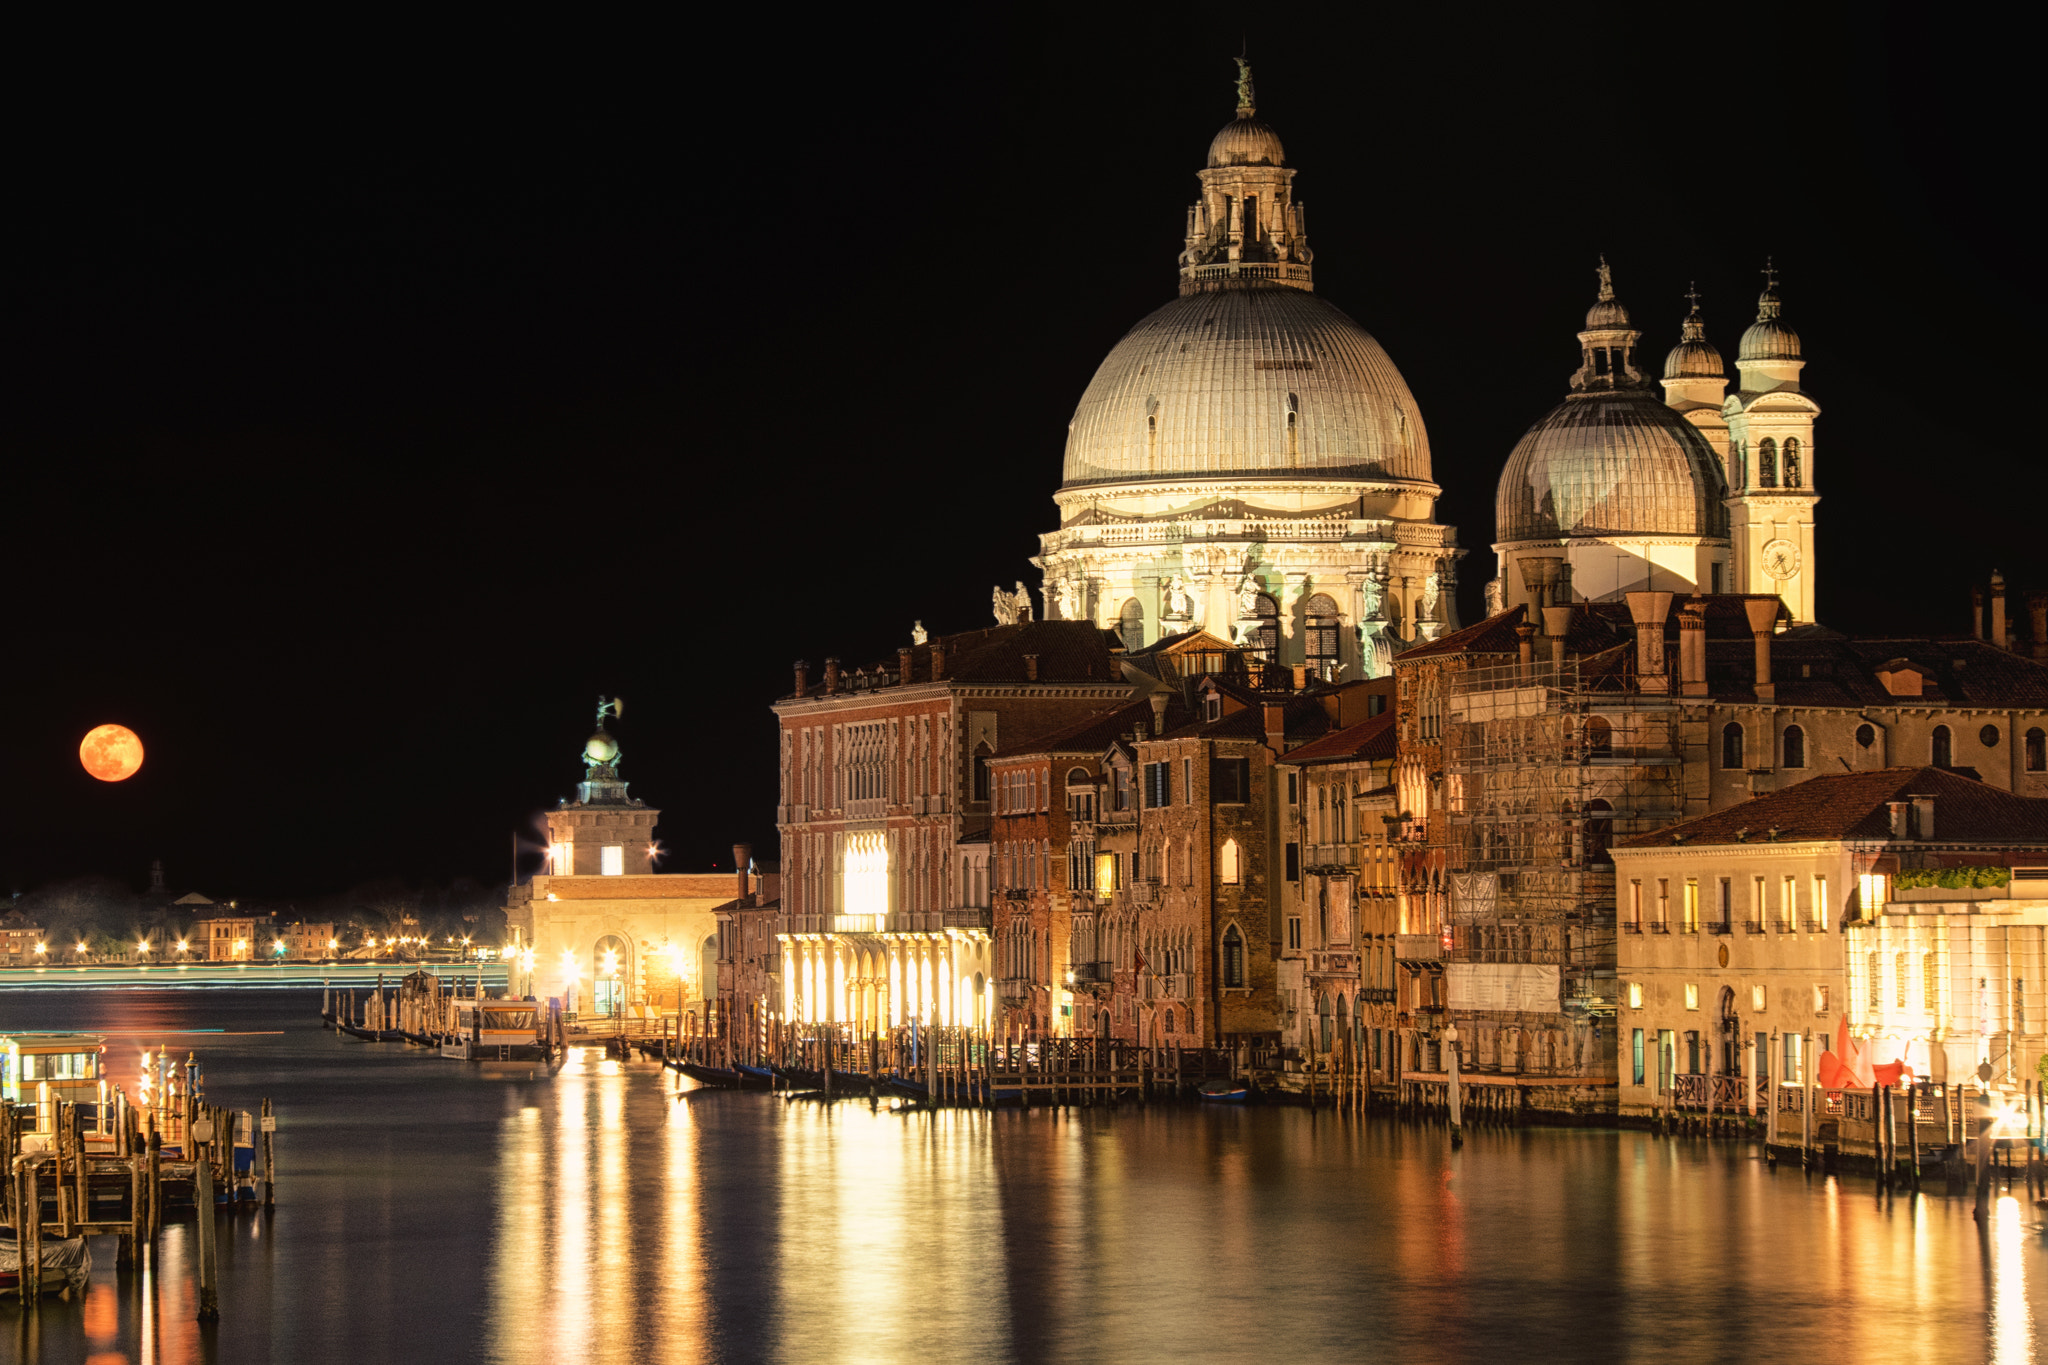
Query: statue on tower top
1245, 102
613, 708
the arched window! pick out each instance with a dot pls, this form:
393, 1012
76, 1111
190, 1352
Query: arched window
1130, 623
1791, 462
1767, 463
1233, 957
2037, 750
1599, 738
1599, 830
1942, 753
1865, 736
1169, 1021
1080, 794
1795, 747
1325, 627
1227, 863
1731, 746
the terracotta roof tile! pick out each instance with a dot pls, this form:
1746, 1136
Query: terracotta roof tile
1372, 739
1855, 806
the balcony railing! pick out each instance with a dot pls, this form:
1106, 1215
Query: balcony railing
1629, 926
1720, 926
971, 917
1418, 948
1659, 927
1816, 926
1752, 926
1013, 988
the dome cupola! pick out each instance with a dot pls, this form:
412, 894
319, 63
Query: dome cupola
1694, 357
1768, 338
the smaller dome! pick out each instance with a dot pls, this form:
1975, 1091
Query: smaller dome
1245, 141
1606, 313
1694, 360
601, 748
1769, 339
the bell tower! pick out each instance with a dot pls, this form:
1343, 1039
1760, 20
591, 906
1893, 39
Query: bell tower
1772, 488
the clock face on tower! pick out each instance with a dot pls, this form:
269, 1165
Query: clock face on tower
1781, 559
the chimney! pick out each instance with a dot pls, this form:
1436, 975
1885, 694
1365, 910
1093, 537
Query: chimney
1648, 609
742, 859
803, 676
1557, 623
1158, 700
1276, 726
1031, 667
1898, 811
831, 677
1763, 618
938, 658
1539, 576
2037, 608
1525, 648
1692, 648
1998, 636
1923, 817
902, 664
1977, 613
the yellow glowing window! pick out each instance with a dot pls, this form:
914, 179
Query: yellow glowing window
1692, 995
613, 860
1105, 871
1635, 995
1756, 998
1691, 922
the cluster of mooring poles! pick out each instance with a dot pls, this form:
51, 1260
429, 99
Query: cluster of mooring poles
118, 1169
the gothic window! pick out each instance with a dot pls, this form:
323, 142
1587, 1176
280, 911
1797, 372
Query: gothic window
1943, 748
1791, 462
2037, 751
1767, 463
1325, 628
1227, 863
1599, 738
1233, 957
1169, 1021
1731, 746
1795, 747
1130, 623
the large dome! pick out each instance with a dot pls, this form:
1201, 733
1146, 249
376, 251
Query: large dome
1260, 382
1606, 463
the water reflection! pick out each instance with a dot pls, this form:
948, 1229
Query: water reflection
611, 1213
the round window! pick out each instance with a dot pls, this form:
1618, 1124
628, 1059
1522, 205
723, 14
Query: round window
1988, 736
1865, 736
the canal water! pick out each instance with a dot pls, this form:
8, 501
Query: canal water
435, 1211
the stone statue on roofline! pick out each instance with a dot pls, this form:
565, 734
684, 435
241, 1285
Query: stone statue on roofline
1069, 591
1178, 602
1022, 597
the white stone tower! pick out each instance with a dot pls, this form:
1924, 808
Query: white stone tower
1248, 460
1771, 467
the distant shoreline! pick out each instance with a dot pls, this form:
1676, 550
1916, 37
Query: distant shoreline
250, 975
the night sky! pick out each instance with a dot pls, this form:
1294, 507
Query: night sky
375, 400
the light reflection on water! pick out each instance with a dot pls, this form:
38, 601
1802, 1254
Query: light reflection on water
431, 1211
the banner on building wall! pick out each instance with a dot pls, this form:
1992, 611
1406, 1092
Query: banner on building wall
1502, 986
1340, 909
1472, 895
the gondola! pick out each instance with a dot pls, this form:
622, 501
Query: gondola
725, 1078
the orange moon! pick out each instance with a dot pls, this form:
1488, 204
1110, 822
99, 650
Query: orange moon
111, 753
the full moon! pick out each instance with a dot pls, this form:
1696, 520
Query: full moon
110, 752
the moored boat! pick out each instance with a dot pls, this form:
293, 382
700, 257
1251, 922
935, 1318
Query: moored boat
1220, 1091
67, 1264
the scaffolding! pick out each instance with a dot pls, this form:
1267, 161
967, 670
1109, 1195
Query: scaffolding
1545, 763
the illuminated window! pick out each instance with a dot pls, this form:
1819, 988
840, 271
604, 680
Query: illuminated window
1756, 998
864, 869
613, 860
1821, 909
1820, 999
1692, 995
1930, 985
1635, 995
562, 859
1227, 863
1635, 904
1690, 923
